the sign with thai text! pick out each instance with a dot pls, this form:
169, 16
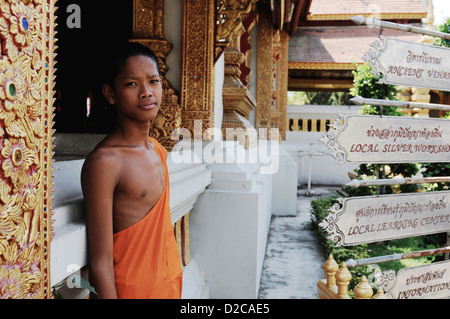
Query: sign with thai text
368, 219
411, 64
375, 139
424, 282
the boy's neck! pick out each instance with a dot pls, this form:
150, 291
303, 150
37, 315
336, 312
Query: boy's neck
133, 134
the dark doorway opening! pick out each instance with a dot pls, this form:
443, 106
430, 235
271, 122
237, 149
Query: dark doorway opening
82, 45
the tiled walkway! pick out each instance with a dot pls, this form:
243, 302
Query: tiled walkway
293, 262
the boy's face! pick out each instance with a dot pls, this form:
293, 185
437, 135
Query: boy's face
137, 89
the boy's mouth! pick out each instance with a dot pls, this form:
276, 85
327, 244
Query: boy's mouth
149, 106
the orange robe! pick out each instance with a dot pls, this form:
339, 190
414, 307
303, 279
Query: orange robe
146, 260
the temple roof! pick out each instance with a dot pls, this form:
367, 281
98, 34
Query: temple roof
325, 46
336, 47
381, 9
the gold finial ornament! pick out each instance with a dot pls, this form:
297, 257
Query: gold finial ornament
343, 277
380, 294
363, 289
331, 267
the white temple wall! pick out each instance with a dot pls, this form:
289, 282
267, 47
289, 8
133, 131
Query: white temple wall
229, 228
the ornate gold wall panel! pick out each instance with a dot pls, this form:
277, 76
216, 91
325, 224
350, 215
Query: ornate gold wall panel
197, 83
275, 57
148, 27
282, 82
182, 236
264, 82
26, 120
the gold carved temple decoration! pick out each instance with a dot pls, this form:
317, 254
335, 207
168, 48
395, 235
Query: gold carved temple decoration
197, 78
234, 22
26, 121
280, 60
235, 19
209, 29
271, 85
148, 23
238, 102
276, 48
230, 15
265, 81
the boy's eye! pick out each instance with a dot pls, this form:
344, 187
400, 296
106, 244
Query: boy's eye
130, 84
155, 81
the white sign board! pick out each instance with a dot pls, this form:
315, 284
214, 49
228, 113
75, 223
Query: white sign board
410, 64
368, 219
424, 282
388, 139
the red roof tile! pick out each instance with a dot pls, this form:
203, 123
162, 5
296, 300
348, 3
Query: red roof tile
332, 9
337, 45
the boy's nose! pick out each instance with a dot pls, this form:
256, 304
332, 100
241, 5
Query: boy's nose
146, 93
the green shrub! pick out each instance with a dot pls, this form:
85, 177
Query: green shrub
365, 84
319, 210
443, 28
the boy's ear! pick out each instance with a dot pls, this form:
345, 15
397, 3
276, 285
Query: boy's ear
108, 93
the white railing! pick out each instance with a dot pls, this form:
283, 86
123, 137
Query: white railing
305, 125
315, 118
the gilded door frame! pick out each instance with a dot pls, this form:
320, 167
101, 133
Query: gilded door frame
27, 34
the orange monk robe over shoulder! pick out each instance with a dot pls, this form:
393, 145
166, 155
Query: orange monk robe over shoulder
146, 260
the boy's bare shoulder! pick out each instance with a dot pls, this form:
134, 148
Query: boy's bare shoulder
104, 156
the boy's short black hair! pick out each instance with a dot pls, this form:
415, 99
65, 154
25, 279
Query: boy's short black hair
118, 57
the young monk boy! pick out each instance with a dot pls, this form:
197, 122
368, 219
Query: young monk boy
131, 246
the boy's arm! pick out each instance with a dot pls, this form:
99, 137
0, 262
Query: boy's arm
98, 180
